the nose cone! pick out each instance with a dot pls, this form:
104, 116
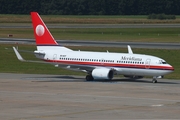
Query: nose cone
167, 69
170, 68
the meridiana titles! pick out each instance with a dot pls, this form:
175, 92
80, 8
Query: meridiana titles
131, 58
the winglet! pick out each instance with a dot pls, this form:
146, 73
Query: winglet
130, 50
18, 55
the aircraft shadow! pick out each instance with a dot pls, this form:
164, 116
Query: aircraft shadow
80, 79
161, 81
58, 79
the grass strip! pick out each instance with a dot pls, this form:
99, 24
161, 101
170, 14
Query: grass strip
102, 34
86, 19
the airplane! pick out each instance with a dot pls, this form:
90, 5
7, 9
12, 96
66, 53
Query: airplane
97, 65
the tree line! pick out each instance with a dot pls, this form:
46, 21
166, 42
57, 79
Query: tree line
91, 7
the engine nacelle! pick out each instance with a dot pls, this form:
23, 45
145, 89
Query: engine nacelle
160, 77
102, 73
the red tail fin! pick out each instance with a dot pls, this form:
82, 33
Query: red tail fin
42, 35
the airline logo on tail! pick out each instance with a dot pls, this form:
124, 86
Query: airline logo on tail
40, 30
42, 35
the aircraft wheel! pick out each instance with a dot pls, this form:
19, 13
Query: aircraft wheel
154, 81
89, 78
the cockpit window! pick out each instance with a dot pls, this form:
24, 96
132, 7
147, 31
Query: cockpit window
162, 62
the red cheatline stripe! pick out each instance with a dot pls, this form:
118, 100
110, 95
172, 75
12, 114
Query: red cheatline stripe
143, 66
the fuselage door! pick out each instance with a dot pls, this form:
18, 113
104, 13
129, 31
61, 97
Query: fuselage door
54, 57
102, 61
147, 63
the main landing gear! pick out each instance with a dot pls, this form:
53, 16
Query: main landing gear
154, 80
89, 78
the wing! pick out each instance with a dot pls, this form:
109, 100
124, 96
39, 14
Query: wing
83, 68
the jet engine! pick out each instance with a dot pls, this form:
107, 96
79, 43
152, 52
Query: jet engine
103, 73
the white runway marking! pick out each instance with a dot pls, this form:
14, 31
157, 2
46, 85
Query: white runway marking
159, 105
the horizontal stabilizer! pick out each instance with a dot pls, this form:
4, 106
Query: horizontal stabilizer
18, 55
23, 60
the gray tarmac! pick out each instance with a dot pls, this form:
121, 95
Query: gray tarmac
148, 45
29, 25
96, 43
57, 97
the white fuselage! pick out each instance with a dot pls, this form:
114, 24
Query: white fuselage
122, 63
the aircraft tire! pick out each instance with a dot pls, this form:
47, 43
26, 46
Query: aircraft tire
154, 81
89, 78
